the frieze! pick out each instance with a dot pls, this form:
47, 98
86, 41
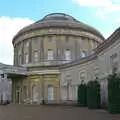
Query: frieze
56, 32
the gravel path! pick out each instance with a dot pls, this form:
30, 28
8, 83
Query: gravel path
37, 112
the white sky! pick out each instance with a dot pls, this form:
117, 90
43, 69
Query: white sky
105, 10
8, 28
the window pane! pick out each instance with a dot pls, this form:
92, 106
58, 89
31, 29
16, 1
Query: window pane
50, 39
50, 54
67, 55
27, 44
114, 62
20, 59
26, 58
35, 56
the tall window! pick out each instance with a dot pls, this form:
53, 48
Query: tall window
50, 93
96, 72
50, 39
27, 44
82, 76
67, 54
25, 92
67, 39
20, 59
36, 56
26, 58
83, 54
50, 54
58, 52
114, 62
92, 44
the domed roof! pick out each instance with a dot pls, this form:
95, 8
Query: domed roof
59, 20
58, 16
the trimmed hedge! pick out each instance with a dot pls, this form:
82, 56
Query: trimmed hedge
93, 94
114, 93
82, 95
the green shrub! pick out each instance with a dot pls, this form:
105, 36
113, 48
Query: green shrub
114, 93
82, 95
93, 94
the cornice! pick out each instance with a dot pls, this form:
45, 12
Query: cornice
57, 32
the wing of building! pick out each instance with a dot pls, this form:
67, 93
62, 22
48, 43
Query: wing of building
53, 55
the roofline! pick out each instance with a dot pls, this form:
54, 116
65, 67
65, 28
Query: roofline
19, 34
75, 20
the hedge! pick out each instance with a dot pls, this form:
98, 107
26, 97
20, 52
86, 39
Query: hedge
93, 94
114, 93
82, 95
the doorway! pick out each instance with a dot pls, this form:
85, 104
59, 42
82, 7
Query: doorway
35, 93
50, 91
18, 96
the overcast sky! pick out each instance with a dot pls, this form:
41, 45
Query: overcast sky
14, 15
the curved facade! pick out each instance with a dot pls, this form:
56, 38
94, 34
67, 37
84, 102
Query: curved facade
104, 61
59, 83
42, 48
53, 56
57, 38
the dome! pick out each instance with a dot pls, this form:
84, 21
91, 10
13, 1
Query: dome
59, 20
58, 16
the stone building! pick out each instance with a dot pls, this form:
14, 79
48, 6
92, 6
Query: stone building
53, 55
45, 45
101, 63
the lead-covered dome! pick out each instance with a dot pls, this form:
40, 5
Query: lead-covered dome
59, 20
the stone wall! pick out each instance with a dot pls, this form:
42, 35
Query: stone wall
100, 65
56, 39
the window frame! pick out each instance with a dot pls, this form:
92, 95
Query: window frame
68, 55
50, 55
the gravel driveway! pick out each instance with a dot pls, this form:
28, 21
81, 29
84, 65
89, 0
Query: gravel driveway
37, 112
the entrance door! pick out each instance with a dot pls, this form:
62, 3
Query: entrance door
64, 93
18, 97
35, 94
50, 93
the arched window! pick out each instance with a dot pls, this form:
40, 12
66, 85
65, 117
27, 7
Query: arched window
82, 76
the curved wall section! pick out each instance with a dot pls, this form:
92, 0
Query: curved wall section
54, 45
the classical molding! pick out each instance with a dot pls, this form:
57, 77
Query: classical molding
38, 33
44, 72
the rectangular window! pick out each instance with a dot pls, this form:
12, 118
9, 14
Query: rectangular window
36, 56
114, 62
96, 72
50, 54
92, 44
67, 39
20, 59
25, 92
58, 52
82, 76
67, 54
27, 44
50, 39
26, 58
